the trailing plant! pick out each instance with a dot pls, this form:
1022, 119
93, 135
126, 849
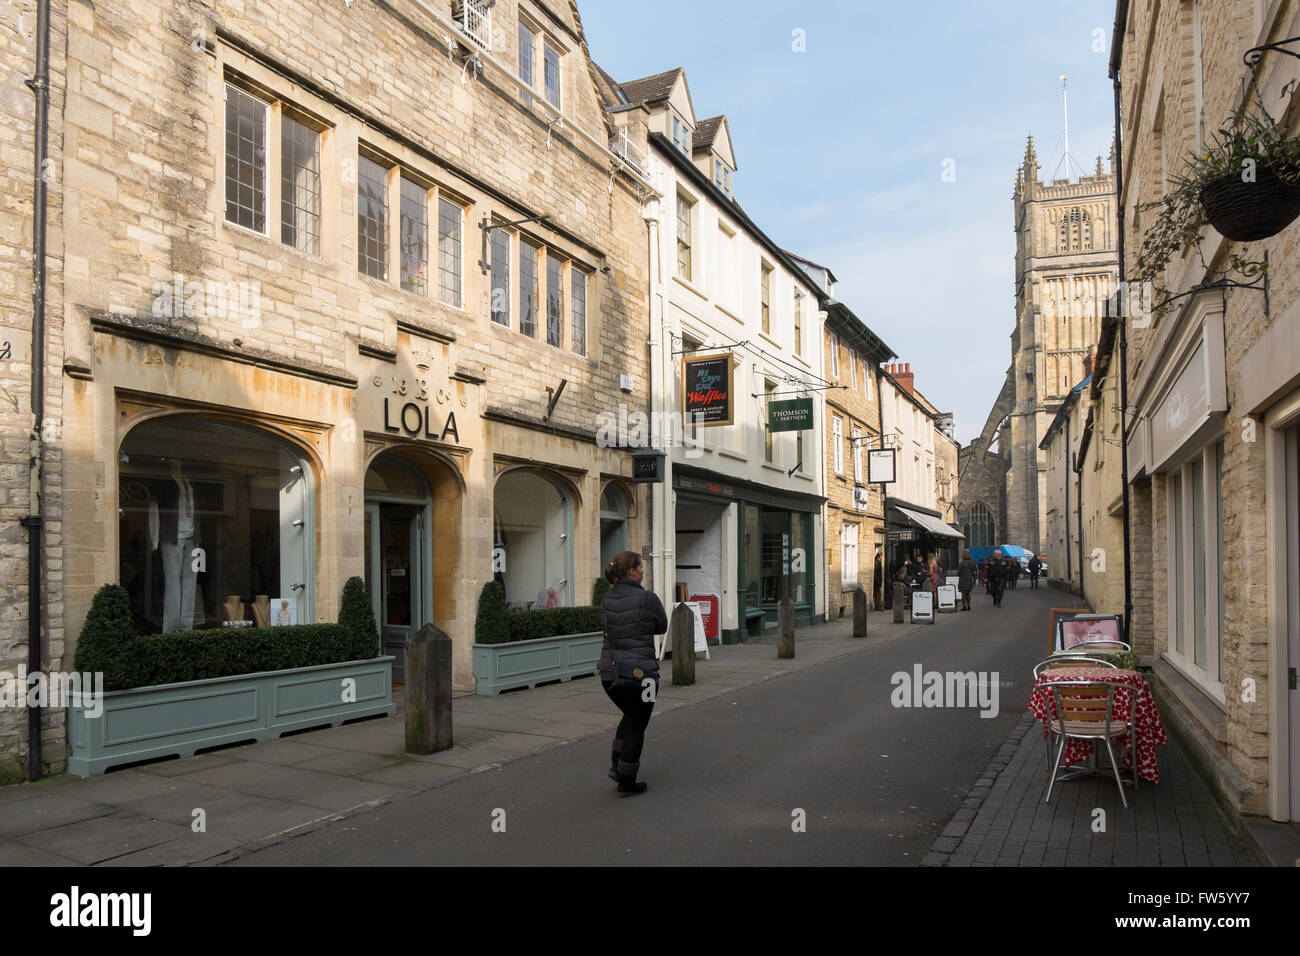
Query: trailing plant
1251, 143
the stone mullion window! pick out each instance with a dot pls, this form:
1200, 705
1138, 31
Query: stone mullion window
414, 237
376, 233
451, 217
500, 246
554, 301
578, 299
246, 159
528, 287
300, 185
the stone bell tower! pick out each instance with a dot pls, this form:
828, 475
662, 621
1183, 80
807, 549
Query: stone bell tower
1067, 264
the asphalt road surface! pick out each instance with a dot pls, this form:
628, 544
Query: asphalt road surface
875, 783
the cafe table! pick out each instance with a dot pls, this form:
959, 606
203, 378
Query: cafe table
1132, 696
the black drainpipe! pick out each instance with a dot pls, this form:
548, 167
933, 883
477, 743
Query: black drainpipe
40, 85
1116, 56
1069, 571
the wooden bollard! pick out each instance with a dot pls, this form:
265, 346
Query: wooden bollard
785, 622
681, 633
859, 613
428, 692
900, 598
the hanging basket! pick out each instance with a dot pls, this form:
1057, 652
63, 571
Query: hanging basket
1246, 211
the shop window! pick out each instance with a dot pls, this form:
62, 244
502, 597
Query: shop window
534, 527
215, 526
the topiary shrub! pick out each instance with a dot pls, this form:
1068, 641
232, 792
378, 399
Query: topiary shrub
598, 592
357, 615
550, 622
109, 632
492, 624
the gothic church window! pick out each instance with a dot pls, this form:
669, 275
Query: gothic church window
1075, 233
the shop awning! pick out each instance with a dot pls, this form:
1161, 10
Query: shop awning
928, 523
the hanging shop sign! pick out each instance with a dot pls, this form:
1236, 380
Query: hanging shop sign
860, 499
706, 389
881, 466
647, 466
790, 416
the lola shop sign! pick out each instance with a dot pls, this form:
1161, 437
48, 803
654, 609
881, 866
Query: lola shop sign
419, 421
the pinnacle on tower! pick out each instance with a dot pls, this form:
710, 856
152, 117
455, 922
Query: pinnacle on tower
1100, 171
1031, 158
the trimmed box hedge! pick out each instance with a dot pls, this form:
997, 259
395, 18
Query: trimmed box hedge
496, 624
109, 645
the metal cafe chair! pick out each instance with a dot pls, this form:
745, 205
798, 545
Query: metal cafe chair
1101, 646
1085, 711
1065, 662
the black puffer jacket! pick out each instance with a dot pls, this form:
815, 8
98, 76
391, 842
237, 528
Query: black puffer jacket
632, 617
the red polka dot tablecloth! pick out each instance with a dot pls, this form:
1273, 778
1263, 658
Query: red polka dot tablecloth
1129, 685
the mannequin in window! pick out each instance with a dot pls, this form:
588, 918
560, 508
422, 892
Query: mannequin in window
173, 529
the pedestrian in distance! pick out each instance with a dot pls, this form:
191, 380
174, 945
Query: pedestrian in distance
934, 579
966, 572
997, 572
1035, 569
629, 672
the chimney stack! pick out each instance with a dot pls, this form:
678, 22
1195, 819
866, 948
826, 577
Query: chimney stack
903, 373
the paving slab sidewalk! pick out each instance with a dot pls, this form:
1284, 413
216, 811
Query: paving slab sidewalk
1004, 821
211, 807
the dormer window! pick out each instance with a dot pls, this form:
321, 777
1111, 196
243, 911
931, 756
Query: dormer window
681, 135
721, 176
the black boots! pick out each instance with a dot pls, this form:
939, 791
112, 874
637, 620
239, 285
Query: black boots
613, 760
626, 776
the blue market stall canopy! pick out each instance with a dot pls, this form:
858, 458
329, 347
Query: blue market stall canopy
1015, 551
929, 523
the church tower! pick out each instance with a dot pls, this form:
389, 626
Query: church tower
1067, 264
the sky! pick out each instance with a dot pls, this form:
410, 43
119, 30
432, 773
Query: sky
887, 148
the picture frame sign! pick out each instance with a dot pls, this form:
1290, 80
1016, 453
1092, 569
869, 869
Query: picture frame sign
707, 389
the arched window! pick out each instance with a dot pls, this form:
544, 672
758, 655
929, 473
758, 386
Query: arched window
534, 527
1075, 233
979, 528
215, 526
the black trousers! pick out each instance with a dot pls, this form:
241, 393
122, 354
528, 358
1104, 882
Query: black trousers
636, 717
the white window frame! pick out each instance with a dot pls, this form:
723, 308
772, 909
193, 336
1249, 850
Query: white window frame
848, 555
835, 354
1181, 650
837, 437
857, 456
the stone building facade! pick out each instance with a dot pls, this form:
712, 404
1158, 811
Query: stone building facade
738, 520
315, 315
1214, 381
1066, 267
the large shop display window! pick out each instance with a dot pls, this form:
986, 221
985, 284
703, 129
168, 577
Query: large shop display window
784, 563
215, 527
534, 532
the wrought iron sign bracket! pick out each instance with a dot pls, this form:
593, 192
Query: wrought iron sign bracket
486, 226
1252, 56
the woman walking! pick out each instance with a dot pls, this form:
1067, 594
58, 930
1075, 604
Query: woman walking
966, 572
632, 617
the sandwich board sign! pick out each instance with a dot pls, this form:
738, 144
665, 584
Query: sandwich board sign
922, 607
701, 643
947, 597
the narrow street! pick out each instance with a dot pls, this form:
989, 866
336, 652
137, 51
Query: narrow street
878, 783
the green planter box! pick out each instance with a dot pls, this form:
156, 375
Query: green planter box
499, 667
178, 719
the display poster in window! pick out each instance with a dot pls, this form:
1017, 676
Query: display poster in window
284, 612
706, 389
881, 468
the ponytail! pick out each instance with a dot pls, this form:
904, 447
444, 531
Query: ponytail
622, 563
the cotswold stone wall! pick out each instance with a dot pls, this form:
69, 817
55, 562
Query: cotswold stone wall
1173, 102
17, 143
138, 209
